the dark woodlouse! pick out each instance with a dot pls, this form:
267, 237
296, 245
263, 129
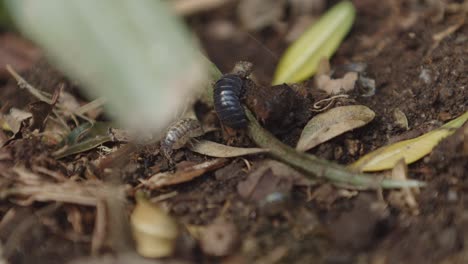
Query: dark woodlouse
227, 95
178, 135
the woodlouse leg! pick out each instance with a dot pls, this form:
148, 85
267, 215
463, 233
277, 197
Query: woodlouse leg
229, 135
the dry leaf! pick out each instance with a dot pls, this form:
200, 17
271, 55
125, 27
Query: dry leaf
332, 123
410, 150
213, 149
185, 174
154, 231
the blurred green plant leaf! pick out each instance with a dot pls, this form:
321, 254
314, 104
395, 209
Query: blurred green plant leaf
214, 75
301, 59
136, 54
5, 18
410, 150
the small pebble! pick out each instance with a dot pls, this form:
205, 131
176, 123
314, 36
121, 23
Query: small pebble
425, 76
452, 196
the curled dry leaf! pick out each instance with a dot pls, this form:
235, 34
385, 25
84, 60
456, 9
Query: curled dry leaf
213, 149
154, 231
332, 123
184, 174
410, 150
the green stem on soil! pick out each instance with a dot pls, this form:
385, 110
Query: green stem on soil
320, 168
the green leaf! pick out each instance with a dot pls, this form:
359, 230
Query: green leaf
214, 74
321, 40
85, 137
136, 54
410, 150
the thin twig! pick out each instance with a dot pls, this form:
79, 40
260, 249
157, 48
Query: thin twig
52, 192
99, 233
319, 168
329, 101
23, 84
60, 120
53, 174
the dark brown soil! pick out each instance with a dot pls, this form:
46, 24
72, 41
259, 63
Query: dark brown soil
427, 81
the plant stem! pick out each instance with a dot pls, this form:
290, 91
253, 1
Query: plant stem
320, 168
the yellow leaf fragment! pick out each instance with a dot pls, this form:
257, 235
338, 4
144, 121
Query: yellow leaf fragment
410, 150
321, 40
154, 231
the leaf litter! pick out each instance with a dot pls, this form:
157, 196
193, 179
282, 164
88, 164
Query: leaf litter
287, 248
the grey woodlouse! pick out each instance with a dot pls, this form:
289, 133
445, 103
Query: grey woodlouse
179, 134
227, 103
227, 96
